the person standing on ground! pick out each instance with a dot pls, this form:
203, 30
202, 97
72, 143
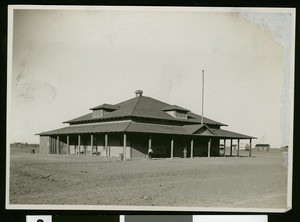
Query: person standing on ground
150, 153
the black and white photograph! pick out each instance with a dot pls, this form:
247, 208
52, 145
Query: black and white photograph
150, 108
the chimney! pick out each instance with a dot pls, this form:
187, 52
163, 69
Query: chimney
138, 93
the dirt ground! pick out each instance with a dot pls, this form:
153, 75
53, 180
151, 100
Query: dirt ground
238, 182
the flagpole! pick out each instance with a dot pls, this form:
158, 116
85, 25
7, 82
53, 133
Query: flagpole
202, 96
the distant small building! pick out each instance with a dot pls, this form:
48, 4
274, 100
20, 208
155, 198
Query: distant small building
132, 127
24, 145
16, 145
262, 146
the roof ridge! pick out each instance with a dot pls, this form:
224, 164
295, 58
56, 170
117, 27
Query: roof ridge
157, 100
135, 106
128, 125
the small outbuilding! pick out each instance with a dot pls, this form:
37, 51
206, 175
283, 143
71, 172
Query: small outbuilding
262, 146
133, 126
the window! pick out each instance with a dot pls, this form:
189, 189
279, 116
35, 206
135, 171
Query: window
178, 114
97, 113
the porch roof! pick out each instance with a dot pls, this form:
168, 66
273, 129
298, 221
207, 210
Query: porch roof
89, 128
225, 134
139, 127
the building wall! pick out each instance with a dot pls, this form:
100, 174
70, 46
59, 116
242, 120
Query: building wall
115, 145
85, 144
200, 146
136, 145
114, 148
139, 145
44, 144
98, 144
180, 142
62, 144
53, 144
215, 145
161, 145
73, 141
84, 141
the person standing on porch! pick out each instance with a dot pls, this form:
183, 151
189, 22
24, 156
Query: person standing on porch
184, 153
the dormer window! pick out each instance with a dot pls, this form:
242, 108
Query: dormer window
103, 109
97, 113
177, 111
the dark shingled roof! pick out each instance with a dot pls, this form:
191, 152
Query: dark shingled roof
262, 145
174, 107
232, 135
124, 126
90, 128
131, 126
192, 128
155, 128
144, 107
167, 129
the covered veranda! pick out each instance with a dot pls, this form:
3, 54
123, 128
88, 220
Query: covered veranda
136, 144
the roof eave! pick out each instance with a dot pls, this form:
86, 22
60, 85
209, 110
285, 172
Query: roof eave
235, 137
221, 124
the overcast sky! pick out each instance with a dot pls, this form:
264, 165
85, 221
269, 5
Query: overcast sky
66, 61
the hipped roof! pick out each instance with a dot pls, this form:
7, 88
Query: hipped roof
175, 107
138, 127
144, 107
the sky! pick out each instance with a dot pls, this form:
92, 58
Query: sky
66, 61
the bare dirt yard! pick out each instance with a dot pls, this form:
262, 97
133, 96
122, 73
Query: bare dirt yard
256, 182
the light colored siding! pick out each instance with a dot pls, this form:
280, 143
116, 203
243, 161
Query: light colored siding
73, 144
115, 142
44, 144
52, 145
